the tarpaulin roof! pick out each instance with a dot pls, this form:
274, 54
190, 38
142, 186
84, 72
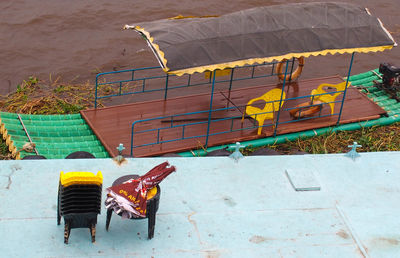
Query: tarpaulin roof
263, 34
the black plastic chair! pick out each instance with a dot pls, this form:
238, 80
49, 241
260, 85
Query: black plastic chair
151, 209
79, 205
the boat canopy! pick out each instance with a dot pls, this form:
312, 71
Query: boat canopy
263, 34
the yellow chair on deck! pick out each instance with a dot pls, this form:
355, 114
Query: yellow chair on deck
272, 99
326, 97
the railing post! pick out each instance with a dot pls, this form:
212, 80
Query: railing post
230, 87
280, 102
95, 92
210, 110
133, 125
189, 80
345, 90
291, 70
166, 87
273, 69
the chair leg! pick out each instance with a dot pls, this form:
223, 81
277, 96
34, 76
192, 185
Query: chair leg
109, 214
151, 218
93, 232
260, 126
58, 207
332, 106
58, 217
67, 231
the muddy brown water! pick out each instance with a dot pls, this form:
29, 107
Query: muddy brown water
77, 39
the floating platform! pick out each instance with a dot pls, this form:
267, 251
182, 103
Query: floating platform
112, 125
215, 207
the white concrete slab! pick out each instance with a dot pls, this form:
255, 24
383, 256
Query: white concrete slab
215, 207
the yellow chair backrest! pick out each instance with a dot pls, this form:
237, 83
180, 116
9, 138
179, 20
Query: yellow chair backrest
81, 178
272, 99
326, 96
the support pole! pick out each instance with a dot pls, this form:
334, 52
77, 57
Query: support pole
95, 92
345, 90
230, 87
166, 87
280, 102
291, 70
210, 110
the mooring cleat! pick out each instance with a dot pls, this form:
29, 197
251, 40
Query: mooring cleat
236, 155
353, 154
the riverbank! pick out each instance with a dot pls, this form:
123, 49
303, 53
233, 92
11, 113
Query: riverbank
34, 96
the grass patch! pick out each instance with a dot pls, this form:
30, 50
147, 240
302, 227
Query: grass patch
4, 153
372, 139
34, 96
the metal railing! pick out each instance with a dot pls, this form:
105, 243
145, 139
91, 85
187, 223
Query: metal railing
181, 129
182, 123
116, 86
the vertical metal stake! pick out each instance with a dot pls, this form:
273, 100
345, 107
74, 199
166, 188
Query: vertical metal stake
166, 86
291, 70
230, 87
345, 90
280, 102
133, 124
95, 92
210, 110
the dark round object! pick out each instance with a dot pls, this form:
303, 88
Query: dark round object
264, 152
298, 152
80, 155
34, 157
219, 153
171, 155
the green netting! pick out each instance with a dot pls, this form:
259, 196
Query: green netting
61, 152
58, 156
70, 145
64, 152
41, 117
372, 89
36, 128
381, 98
360, 76
380, 93
362, 81
55, 136
63, 133
44, 122
56, 140
388, 103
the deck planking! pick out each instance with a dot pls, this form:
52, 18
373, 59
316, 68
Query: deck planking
112, 125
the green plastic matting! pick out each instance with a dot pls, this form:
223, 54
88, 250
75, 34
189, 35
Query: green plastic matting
55, 136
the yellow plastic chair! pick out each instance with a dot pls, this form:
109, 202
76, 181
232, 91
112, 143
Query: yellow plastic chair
272, 99
326, 97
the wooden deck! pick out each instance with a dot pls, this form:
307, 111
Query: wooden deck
112, 125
